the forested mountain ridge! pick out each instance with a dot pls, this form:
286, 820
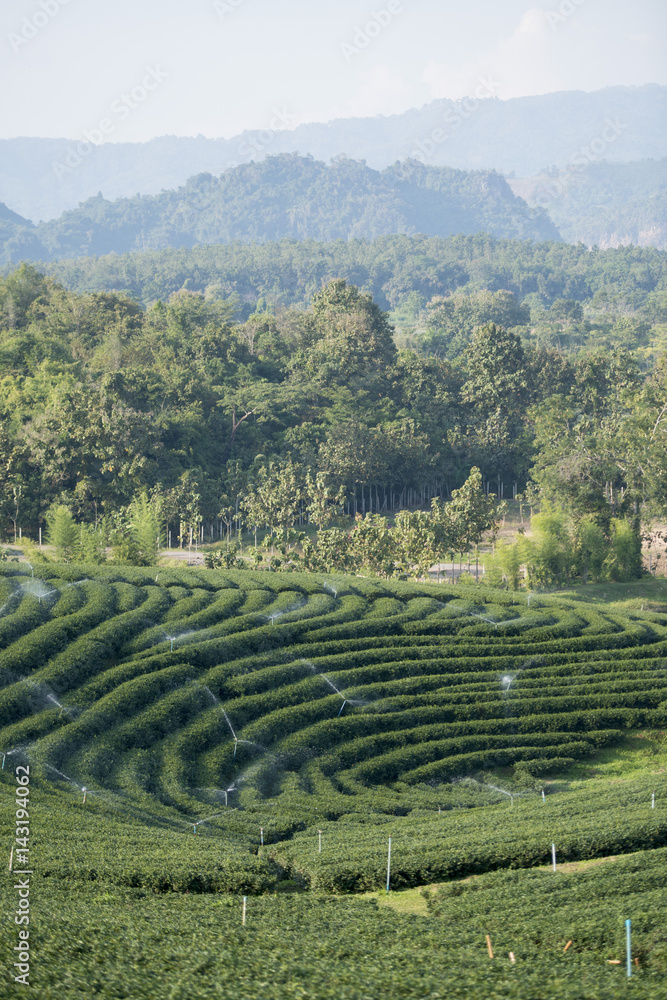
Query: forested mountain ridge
41, 178
603, 204
286, 196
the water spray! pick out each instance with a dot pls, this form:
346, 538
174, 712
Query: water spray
502, 792
489, 620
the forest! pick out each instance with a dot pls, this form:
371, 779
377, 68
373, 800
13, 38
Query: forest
190, 419
285, 196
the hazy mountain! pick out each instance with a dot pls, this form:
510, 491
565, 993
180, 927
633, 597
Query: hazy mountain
41, 178
286, 196
604, 204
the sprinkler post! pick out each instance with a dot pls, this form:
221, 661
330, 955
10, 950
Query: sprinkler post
245, 900
543, 796
628, 945
319, 834
11, 858
261, 836
84, 794
389, 865
553, 855
652, 794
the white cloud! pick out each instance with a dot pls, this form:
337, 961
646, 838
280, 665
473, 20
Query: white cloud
529, 61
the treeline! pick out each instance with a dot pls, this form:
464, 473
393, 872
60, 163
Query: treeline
103, 401
392, 269
283, 502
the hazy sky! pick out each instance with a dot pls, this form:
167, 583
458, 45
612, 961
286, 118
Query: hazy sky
141, 68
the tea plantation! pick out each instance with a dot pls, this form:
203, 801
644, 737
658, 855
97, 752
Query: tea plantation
200, 736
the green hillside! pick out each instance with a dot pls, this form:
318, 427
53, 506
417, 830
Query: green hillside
284, 197
198, 736
603, 204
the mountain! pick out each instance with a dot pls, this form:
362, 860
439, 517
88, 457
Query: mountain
41, 178
287, 196
604, 204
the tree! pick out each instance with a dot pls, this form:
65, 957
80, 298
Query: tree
273, 498
349, 338
414, 541
472, 513
325, 504
373, 545
145, 521
496, 394
62, 532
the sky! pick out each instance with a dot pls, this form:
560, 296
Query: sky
130, 70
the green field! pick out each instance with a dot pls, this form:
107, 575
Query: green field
225, 725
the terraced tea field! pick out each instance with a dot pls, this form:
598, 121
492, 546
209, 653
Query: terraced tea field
226, 734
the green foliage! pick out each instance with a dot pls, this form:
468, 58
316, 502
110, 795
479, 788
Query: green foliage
202, 707
140, 535
263, 423
62, 532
